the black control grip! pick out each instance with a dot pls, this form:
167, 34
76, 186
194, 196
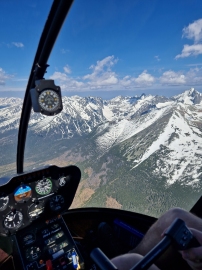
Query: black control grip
101, 260
181, 237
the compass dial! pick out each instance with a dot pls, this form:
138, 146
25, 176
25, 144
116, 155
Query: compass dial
44, 186
49, 100
3, 201
13, 220
57, 203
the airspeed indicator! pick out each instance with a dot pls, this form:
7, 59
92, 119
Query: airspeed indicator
44, 186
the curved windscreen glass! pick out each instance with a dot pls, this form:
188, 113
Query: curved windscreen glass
21, 27
130, 74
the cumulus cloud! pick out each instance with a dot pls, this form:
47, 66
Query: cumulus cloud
103, 77
192, 31
67, 82
101, 66
172, 78
190, 50
142, 80
145, 78
101, 74
192, 77
18, 44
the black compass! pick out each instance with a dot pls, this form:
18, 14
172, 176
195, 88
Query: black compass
49, 100
46, 97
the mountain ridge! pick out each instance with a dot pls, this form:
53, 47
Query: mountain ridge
151, 140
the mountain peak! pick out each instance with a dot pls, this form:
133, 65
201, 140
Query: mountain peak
192, 90
190, 96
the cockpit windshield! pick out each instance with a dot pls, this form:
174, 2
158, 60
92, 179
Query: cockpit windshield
131, 79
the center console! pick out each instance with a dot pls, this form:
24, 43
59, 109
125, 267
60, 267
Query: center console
47, 245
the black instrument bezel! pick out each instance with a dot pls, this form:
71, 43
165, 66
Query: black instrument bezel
72, 174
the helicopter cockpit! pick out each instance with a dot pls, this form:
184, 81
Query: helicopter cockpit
56, 210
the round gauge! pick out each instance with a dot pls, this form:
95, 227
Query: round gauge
44, 186
36, 209
28, 239
32, 253
13, 220
22, 193
4, 200
57, 203
62, 181
49, 100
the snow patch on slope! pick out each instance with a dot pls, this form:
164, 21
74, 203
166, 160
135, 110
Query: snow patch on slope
125, 129
108, 114
183, 151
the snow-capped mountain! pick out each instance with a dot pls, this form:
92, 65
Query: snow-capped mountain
146, 147
174, 125
190, 96
141, 126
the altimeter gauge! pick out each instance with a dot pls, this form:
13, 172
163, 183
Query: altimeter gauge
13, 220
44, 186
57, 203
4, 200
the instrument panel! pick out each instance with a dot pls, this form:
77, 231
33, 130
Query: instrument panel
49, 244
38, 194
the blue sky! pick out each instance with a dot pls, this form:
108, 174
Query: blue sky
106, 48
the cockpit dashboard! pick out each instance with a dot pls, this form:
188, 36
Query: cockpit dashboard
31, 205
37, 194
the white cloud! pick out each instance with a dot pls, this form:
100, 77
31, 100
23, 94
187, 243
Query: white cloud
102, 77
67, 69
102, 66
18, 44
126, 81
3, 76
193, 31
172, 78
145, 78
66, 82
192, 77
190, 50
